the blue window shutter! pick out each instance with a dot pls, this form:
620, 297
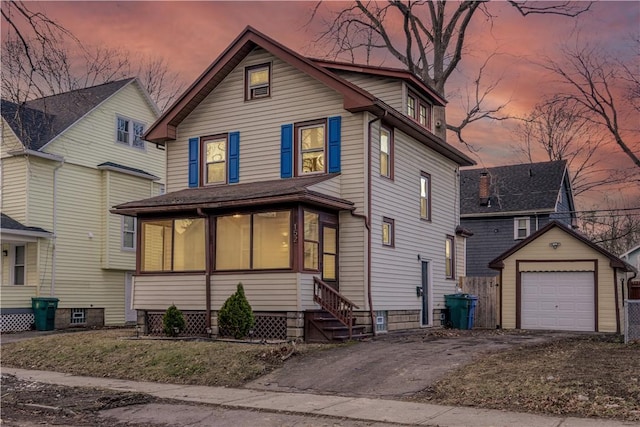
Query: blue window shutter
334, 144
234, 157
194, 145
286, 151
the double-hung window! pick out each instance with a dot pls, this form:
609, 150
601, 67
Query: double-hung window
214, 159
19, 263
386, 153
419, 110
129, 132
258, 81
311, 145
388, 231
425, 196
521, 228
128, 233
449, 257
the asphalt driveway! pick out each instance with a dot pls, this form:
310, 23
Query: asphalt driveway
393, 365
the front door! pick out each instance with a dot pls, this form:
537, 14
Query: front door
425, 294
330, 255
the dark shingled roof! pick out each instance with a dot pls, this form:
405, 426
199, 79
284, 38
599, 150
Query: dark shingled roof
237, 195
515, 188
8, 223
38, 121
126, 168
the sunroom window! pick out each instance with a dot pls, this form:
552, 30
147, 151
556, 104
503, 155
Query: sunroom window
173, 245
253, 241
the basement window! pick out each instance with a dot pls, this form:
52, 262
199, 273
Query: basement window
78, 316
381, 321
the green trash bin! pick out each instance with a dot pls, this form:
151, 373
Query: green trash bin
44, 312
459, 306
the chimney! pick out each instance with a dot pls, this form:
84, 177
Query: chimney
484, 189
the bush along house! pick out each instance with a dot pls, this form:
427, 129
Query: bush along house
326, 188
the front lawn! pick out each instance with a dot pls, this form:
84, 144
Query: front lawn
107, 353
590, 376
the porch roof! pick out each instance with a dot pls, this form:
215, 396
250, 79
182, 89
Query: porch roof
291, 190
12, 230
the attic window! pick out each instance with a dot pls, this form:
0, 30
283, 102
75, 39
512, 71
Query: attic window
258, 81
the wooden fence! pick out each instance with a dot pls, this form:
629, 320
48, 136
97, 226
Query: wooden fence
487, 290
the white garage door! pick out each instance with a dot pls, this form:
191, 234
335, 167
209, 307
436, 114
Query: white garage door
558, 300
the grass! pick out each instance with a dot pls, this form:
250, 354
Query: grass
108, 353
592, 376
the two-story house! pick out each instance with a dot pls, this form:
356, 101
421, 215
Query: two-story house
65, 160
318, 185
503, 205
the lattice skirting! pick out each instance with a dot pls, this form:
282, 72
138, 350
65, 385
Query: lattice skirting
16, 322
272, 326
196, 323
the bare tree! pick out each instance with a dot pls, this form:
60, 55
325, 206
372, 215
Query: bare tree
559, 128
427, 37
41, 58
591, 80
616, 229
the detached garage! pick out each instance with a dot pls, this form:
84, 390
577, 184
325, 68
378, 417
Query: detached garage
557, 279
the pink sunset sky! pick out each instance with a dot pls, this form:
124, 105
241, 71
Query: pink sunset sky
190, 35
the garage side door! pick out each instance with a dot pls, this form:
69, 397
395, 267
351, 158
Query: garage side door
558, 300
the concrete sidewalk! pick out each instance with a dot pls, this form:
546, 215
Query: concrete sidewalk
364, 409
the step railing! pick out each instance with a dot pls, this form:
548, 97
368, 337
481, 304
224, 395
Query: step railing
334, 302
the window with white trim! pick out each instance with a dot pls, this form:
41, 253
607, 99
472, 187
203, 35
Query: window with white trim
128, 233
19, 264
449, 257
521, 228
78, 316
129, 132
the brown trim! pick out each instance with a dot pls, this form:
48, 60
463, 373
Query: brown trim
392, 237
322, 253
519, 284
391, 159
261, 270
381, 71
247, 70
172, 273
202, 161
354, 98
428, 177
501, 296
452, 239
617, 299
297, 150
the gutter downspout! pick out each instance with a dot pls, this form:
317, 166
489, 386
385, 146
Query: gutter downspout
52, 290
367, 222
207, 267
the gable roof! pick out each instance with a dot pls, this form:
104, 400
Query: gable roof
614, 261
238, 195
532, 187
630, 251
355, 99
8, 224
39, 121
395, 73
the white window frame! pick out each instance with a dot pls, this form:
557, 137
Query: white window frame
131, 136
13, 249
78, 316
516, 227
123, 231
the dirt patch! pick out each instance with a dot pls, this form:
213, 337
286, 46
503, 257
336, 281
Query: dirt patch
588, 376
395, 365
26, 403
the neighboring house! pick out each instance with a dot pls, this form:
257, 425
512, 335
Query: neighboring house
505, 204
632, 257
557, 279
315, 184
65, 160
